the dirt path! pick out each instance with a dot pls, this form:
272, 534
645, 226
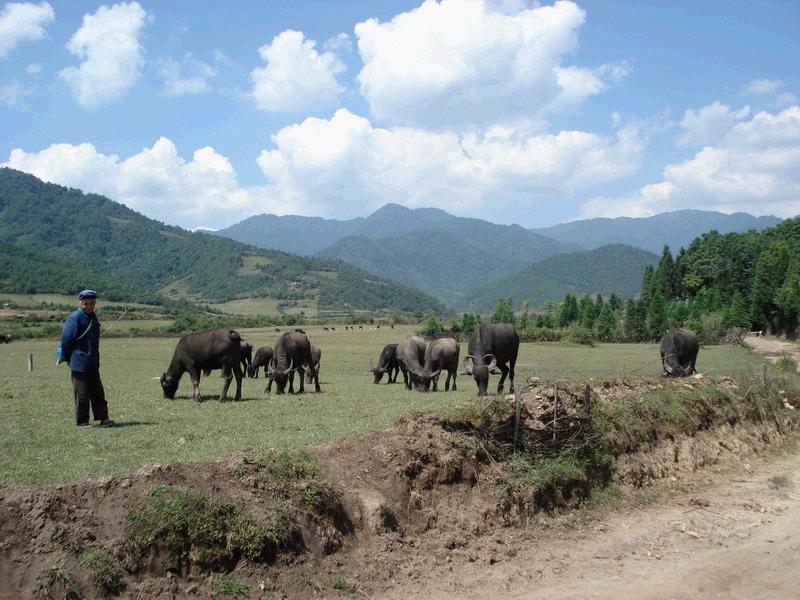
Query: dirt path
730, 532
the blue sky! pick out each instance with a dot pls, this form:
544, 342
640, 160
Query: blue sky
201, 114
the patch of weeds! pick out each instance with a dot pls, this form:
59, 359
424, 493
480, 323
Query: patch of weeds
781, 481
105, 571
59, 584
339, 582
225, 585
194, 528
786, 364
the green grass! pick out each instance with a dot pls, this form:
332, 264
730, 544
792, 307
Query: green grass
39, 442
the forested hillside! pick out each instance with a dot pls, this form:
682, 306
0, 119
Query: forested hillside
88, 232
674, 229
448, 261
613, 268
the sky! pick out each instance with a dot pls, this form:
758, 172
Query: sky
203, 113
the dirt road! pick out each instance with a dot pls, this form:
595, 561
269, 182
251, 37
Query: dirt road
773, 348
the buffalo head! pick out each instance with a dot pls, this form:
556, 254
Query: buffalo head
377, 372
480, 371
169, 386
279, 376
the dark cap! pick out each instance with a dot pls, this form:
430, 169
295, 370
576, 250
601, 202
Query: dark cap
86, 294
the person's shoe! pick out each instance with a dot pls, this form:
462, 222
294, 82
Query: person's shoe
107, 423
82, 424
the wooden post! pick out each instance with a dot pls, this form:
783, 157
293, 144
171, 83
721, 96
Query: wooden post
587, 396
30, 361
555, 412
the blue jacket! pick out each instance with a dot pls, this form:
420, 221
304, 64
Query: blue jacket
82, 354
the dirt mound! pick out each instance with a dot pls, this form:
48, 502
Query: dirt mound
354, 516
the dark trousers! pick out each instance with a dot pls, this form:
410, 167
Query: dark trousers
89, 390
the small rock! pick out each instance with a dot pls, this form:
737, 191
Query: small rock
693, 535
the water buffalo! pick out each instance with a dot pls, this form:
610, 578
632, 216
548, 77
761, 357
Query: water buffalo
312, 372
5, 338
292, 353
261, 359
411, 358
246, 356
203, 351
679, 350
387, 362
492, 347
440, 354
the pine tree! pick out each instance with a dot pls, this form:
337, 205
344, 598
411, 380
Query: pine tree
636, 321
606, 324
504, 311
736, 315
657, 317
569, 311
586, 310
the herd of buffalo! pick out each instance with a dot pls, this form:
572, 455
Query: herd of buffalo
492, 348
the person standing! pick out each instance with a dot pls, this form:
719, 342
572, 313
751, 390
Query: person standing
80, 348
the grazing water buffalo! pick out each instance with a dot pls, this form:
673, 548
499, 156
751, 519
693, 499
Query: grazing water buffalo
292, 353
492, 347
203, 351
313, 372
410, 358
387, 362
440, 354
679, 350
261, 359
247, 355
5, 338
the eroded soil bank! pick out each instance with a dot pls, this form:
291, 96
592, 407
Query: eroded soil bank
443, 507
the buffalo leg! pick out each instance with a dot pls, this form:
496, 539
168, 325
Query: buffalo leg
316, 381
447, 383
396, 372
228, 378
237, 373
291, 382
405, 377
268, 389
511, 374
301, 373
504, 371
194, 375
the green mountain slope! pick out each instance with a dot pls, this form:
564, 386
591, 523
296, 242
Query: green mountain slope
613, 268
674, 229
90, 232
448, 261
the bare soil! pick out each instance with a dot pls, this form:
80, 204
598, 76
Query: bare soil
416, 515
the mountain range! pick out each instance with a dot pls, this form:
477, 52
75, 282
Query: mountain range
452, 258
76, 238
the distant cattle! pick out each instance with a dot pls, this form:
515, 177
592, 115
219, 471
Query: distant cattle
492, 347
410, 358
312, 373
679, 349
325, 329
203, 351
361, 327
292, 353
261, 359
387, 363
5, 338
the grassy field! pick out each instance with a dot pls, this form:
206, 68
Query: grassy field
39, 442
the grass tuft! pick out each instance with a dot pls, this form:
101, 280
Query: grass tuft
225, 585
105, 571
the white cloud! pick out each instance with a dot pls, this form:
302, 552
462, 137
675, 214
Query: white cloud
753, 167
343, 166
202, 192
763, 86
464, 62
185, 77
13, 95
23, 21
33, 69
296, 77
707, 124
339, 43
108, 44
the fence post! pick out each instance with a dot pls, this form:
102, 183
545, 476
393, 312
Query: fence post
516, 419
555, 413
30, 361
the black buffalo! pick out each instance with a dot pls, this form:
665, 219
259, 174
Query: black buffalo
246, 355
313, 372
411, 358
387, 362
5, 338
440, 354
292, 353
203, 351
261, 359
679, 350
492, 347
